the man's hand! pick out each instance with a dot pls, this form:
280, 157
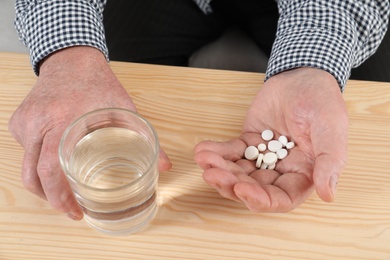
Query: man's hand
72, 82
304, 104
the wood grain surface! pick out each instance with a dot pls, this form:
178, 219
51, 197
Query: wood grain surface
186, 106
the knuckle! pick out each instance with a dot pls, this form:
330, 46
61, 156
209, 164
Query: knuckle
204, 145
12, 126
23, 127
45, 170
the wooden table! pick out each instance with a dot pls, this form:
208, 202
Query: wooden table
186, 106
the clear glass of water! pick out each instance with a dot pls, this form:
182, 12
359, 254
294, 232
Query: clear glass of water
110, 157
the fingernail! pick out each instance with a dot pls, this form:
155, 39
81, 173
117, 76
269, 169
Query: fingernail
333, 184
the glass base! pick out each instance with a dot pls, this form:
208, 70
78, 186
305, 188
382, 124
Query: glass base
124, 227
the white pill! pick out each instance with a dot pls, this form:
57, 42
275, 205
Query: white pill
267, 135
251, 153
259, 160
282, 153
262, 147
283, 139
274, 146
263, 166
270, 158
290, 145
271, 167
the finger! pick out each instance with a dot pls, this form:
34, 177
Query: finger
54, 182
208, 159
257, 199
164, 164
32, 149
330, 144
29, 176
231, 150
263, 199
221, 180
285, 194
327, 171
265, 177
247, 166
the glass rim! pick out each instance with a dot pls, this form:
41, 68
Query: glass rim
97, 111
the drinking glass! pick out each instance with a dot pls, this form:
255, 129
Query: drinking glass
110, 158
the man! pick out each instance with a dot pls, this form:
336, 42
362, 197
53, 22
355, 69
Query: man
315, 46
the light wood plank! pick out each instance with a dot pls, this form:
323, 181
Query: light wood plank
186, 106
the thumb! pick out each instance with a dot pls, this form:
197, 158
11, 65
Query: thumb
53, 180
330, 143
327, 170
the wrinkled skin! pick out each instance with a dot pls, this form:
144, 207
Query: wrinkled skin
72, 82
304, 104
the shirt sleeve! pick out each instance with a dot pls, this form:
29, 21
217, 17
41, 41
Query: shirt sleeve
331, 35
47, 26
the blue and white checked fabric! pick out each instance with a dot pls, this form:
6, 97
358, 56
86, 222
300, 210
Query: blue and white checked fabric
47, 26
333, 35
204, 5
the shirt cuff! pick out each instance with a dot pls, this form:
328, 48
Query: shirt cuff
55, 25
316, 48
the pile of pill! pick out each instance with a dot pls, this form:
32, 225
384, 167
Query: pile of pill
266, 155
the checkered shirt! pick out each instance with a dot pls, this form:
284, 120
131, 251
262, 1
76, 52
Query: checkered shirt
333, 35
